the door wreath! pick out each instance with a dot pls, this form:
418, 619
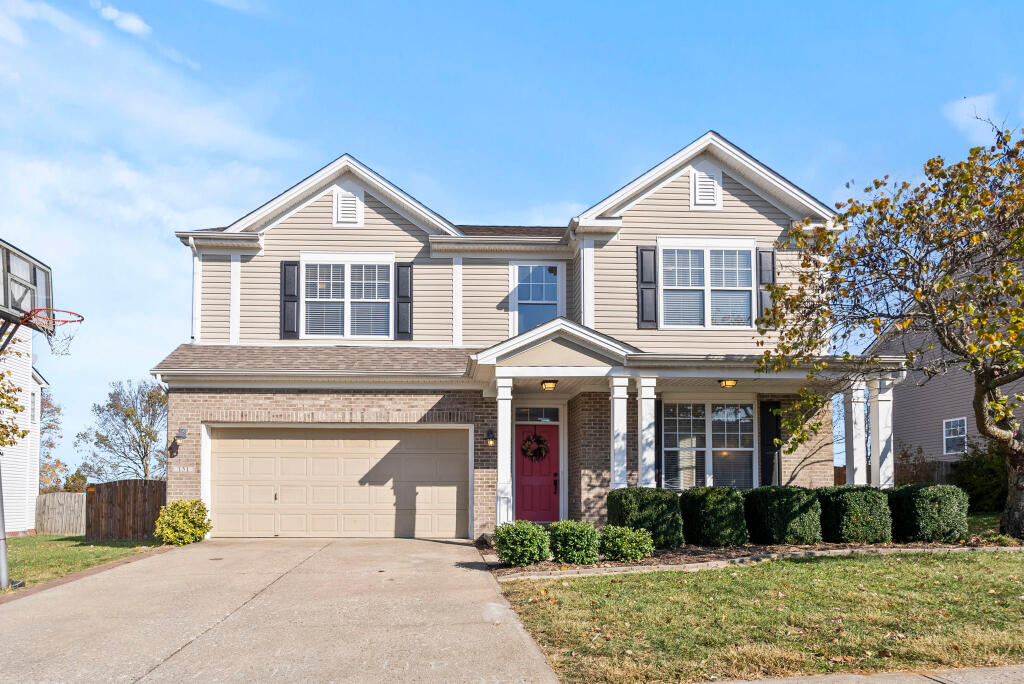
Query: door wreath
535, 447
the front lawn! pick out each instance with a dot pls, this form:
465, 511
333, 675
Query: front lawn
983, 524
781, 618
43, 557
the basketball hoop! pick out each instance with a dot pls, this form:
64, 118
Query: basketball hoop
58, 325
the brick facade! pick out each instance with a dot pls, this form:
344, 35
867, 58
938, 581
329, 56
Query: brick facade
191, 408
588, 436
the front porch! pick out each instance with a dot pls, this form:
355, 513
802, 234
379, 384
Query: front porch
617, 418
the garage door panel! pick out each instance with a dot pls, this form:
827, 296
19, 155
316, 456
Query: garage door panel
380, 482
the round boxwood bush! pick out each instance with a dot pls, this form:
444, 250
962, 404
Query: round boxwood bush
573, 541
625, 543
855, 514
928, 513
521, 543
182, 522
783, 515
713, 516
655, 510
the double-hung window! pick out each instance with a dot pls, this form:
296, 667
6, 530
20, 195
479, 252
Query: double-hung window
954, 436
347, 295
690, 459
537, 295
706, 283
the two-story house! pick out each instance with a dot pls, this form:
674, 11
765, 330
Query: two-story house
361, 366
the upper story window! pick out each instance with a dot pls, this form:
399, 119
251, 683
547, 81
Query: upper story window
706, 284
954, 436
347, 295
536, 294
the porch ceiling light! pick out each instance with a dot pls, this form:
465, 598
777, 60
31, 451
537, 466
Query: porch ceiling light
548, 385
727, 384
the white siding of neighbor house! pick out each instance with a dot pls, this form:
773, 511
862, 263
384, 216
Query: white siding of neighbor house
666, 212
20, 462
311, 229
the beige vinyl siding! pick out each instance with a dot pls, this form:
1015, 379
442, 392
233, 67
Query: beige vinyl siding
216, 298
311, 229
666, 213
484, 302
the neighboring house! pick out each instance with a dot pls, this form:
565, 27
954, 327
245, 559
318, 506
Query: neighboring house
361, 366
19, 463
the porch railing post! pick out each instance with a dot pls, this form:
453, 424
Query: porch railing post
645, 431
503, 500
619, 396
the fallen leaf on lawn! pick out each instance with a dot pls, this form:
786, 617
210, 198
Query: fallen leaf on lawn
991, 591
544, 592
885, 653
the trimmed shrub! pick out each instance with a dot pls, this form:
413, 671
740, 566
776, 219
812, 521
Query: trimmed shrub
182, 522
654, 510
852, 514
521, 543
783, 515
625, 543
982, 474
573, 541
713, 516
935, 513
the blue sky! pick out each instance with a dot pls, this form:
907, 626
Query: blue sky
123, 121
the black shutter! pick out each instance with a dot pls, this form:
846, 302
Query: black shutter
771, 428
403, 301
765, 276
647, 287
289, 300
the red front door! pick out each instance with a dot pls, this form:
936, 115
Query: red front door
537, 481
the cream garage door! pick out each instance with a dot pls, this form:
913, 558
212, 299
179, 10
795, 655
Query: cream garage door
346, 482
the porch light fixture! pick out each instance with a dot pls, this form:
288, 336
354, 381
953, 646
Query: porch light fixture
727, 384
491, 441
548, 385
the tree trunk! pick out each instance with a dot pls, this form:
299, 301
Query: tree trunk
1013, 514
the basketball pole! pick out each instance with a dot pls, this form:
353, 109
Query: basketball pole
4, 579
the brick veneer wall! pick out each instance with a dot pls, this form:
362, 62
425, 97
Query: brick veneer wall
811, 465
190, 408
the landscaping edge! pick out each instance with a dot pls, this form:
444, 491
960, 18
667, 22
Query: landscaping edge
725, 563
13, 595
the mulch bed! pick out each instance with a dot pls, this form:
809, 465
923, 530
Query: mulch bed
684, 555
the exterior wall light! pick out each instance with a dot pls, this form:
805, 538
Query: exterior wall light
727, 384
491, 441
548, 385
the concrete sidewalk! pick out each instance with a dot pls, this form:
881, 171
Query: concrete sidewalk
978, 675
366, 610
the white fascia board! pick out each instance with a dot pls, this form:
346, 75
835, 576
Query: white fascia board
559, 328
713, 142
388, 192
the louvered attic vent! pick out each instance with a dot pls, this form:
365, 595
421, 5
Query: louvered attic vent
348, 207
705, 192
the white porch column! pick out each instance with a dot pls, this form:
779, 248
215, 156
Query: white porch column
645, 431
503, 500
882, 454
856, 439
618, 432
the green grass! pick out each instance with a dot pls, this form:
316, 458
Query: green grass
43, 557
781, 618
983, 524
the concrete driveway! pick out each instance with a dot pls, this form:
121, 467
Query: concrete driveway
311, 609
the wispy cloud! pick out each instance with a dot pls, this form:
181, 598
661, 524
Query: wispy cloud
105, 150
969, 115
244, 6
128, 22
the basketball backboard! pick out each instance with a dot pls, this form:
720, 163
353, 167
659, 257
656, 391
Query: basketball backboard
27, 285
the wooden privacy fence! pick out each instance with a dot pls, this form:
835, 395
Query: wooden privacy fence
125, 509
60, 513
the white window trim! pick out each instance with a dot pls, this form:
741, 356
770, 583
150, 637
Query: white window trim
710, 170
709, 464
944, 424
353, 188
513, 291
346, 258
706, 245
